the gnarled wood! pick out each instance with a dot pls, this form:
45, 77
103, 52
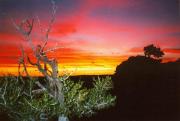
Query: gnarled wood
42, 61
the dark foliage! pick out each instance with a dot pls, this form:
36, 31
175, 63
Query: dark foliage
147, 89
20, 101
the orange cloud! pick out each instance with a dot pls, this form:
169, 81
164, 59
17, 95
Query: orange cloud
136, 50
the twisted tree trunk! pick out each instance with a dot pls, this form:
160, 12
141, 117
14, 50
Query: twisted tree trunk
42, 63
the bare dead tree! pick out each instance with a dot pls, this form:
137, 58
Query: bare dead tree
48, 67
22, 62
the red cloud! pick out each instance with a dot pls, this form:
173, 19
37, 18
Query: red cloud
169, 50
63, 29
169, 59
166, 50
9, 38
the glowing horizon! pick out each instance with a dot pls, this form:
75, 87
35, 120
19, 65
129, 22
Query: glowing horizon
95, 35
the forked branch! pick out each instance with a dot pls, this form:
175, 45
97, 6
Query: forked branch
42, 61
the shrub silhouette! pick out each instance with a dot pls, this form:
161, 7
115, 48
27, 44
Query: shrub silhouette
151, 50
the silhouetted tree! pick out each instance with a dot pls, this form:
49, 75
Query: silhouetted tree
147, 89
154, 51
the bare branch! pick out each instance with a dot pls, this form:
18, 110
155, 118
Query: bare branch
25, 26
22, 61
4, 93
66, 76
54, 10
52, 49
23, 31
40, 85
32, 63
39, 23
55, 85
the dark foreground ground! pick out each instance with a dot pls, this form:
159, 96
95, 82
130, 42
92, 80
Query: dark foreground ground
145, 88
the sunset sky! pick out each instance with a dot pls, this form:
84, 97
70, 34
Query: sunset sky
95, 35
